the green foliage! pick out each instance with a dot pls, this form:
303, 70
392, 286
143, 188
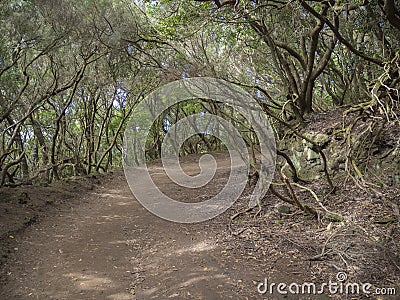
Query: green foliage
71, 71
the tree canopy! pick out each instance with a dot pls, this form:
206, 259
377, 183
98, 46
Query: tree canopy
71, 72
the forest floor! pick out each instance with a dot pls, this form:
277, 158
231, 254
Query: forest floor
88, 238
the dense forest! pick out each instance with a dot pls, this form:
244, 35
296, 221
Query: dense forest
73, 72
75, 75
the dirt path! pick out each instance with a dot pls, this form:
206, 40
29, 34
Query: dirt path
105, 245
110, 247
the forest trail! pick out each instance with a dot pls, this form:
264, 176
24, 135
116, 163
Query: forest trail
86, 85
99, 242
108, 246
